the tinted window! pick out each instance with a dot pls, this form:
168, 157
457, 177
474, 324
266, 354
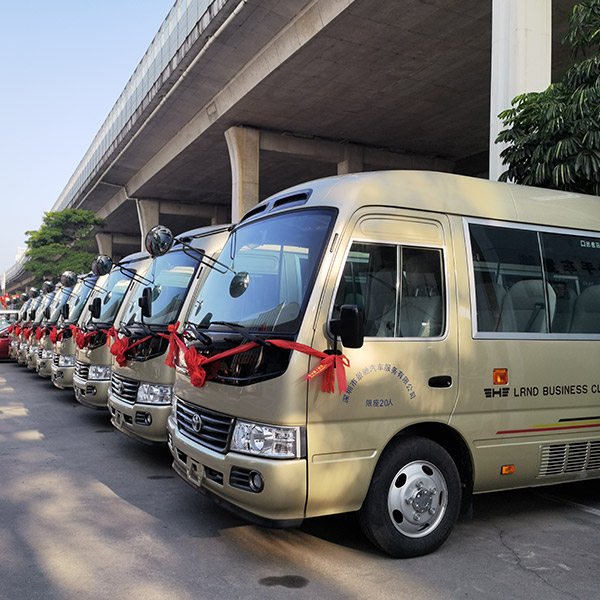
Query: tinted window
535, 282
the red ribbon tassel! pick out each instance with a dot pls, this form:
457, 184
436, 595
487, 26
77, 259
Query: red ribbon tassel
111, 334
53, 335
175, 344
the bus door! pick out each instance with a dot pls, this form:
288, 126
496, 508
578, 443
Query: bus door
397, 267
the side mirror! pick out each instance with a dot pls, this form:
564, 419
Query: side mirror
68, 279
96, 307
145, 302
350, 326
159, 240
102, 265
64, 311
47, 312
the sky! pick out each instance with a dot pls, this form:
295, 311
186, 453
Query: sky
63, 65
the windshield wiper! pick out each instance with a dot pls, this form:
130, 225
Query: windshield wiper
237, 328
199, 335
140, 327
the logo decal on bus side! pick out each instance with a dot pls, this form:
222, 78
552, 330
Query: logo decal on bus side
384, 368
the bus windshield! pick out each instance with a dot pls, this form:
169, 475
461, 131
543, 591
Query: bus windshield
39, 313
281, 255
61, 297
171, 276
80, 294
112, 294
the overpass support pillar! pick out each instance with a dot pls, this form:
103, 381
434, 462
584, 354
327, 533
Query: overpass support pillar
148, 215
353, 160
521, 59
244, 150
105, 243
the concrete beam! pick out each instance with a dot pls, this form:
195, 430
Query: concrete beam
521, 60
350, 158
215, 212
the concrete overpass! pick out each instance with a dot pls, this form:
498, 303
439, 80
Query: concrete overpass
235, 100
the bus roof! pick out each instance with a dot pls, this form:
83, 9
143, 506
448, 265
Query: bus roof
444, 193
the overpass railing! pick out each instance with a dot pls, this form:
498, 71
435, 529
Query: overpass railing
186, 18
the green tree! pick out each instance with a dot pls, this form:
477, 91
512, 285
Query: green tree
64, 242
553, 136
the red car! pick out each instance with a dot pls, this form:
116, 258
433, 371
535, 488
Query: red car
4, 342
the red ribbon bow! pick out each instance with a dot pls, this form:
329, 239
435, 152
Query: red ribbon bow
120, 347
330, 365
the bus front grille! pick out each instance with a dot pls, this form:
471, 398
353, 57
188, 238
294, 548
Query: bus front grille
206, 427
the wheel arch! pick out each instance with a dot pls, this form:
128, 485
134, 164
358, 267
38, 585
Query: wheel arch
453, 443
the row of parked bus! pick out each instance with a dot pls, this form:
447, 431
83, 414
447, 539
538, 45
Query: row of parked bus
386, 343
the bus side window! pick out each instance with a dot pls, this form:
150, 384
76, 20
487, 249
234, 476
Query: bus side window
396, 301
509, 287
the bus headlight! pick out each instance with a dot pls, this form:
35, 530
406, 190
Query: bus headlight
66, 360
270, 441
47, 354
150, 393
98, 372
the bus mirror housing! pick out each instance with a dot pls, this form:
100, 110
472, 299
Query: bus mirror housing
64, 311
48, 287
47, 312
159, 240
102, 265
145, 302
239, 284
96, 307
350, 326
68, 279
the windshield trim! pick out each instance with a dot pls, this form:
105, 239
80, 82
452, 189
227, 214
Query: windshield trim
333, 212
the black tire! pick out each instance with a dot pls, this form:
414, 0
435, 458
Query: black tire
414, 498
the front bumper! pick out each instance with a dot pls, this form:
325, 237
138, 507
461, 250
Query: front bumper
142, 422
62, 377
44, 367
32, 358
282, 500
91, 393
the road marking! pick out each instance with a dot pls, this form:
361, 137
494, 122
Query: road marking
583, 507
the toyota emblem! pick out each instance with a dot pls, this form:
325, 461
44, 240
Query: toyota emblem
196, 423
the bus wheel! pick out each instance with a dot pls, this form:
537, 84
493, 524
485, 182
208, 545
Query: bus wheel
414, 498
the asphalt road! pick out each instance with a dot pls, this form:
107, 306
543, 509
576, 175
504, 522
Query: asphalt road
86, 513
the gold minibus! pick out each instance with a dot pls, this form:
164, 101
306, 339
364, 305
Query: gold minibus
392, 343
91, 379
141, 392
72, 316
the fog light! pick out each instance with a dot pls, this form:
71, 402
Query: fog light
256, 481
